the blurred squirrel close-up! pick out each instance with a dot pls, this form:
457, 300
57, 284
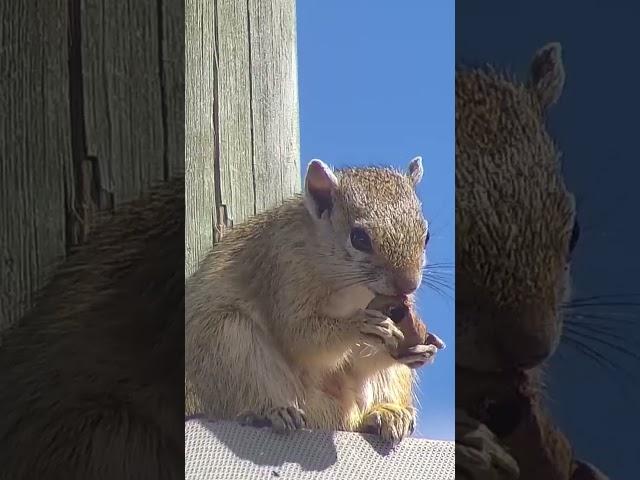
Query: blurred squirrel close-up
306, 310
90, 383
516, 228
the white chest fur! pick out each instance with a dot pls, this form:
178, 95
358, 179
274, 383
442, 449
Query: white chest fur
347, 301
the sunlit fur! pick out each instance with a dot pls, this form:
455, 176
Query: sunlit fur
256, 334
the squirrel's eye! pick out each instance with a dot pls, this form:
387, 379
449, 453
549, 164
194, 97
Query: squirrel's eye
575, 236
426, 238
360, 240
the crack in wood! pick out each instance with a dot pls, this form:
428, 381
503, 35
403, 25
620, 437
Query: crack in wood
223, 223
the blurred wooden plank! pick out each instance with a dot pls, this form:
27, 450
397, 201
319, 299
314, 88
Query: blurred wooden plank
35, 151
172, 84
92, 116
123, 104
200, 135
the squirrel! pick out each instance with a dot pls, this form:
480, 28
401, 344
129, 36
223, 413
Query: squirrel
516, 228
278, 328
90, 383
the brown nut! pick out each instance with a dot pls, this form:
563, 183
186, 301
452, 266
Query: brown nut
402, 312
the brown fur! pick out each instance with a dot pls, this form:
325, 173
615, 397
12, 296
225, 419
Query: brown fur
274, 314
514, 218
90, 383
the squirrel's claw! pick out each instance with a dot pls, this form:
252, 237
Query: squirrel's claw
281, 419
433, 339
390, 422
418, 356
381, 327
252, 419
285, 419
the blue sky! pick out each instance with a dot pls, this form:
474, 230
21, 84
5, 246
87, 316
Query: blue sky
376, 86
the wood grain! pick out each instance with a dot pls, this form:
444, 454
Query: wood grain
92, 102
234, 110
242, 115
122, 95
172, 84
200, 134
274, 102
35, 149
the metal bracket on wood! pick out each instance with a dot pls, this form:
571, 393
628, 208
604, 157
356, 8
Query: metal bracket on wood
223, 223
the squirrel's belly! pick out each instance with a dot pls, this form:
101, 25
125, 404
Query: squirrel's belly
340, 388
354, 393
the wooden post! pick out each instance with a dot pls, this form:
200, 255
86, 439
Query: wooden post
35, 149
92, 115
242, 136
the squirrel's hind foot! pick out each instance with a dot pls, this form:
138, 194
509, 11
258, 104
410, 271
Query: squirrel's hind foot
390, 422
280, 419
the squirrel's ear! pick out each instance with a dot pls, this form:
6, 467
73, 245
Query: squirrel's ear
547, 74
415, 171
319, 185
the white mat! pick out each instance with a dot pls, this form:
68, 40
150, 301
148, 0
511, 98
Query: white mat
225, 451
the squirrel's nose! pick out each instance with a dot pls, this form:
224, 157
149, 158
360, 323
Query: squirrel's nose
407, 283
532, 339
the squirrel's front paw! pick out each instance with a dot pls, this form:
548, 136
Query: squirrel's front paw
419, 355
586, 471
479, 455
390, 422
377, 325
280, 419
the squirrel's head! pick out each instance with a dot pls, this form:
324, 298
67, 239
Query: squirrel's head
515, 220
370, 226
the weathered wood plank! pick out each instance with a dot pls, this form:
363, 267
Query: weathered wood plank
274, 101
92, 102
200, 136
123, 101
35, 149
234, 110
242, 136
172, 81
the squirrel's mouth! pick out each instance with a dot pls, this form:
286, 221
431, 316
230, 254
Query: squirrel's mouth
503, 417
